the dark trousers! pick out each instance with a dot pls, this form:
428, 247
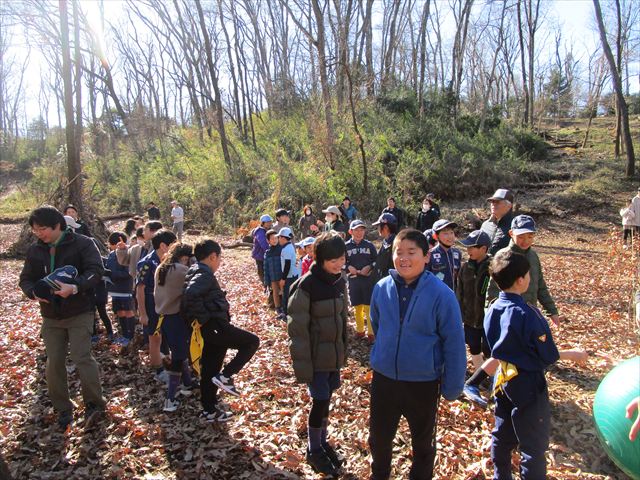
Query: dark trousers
216, 343
104, 316
418, 403
628, 233
260, 266
285, 292
522, 418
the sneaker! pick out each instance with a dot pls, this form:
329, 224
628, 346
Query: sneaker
472, 393
225, 384
186, 390
336, 458
65, 418
321, 463
216, 416
162, 377
92, 414
170, 405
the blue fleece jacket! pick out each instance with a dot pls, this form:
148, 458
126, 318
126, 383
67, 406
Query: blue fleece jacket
122, 281
428, 344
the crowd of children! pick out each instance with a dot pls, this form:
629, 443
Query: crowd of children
414, 298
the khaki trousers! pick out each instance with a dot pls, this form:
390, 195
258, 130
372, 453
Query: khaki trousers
72, 335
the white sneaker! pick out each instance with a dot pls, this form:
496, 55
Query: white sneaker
217, 415
225, 384
170, 406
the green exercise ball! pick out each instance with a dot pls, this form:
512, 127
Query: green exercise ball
617, 389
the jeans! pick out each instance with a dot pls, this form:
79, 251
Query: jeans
71, 334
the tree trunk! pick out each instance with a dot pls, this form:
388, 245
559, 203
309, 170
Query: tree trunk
216, 89
620, 100
525, 84
74, 169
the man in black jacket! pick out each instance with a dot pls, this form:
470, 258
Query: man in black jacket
67, 314
499, 224
203, 300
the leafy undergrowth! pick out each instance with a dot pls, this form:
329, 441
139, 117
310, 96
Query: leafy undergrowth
590, 277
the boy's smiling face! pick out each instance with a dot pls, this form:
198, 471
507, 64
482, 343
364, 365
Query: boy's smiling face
358, 234
409, 260
524, 240
273, 240
447, 237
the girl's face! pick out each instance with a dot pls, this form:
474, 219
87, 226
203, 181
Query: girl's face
346, 203
309, 250
307, 212
334, 266
330, 217
273, 240
184, 260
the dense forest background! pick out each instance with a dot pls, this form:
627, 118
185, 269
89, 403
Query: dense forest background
238, 107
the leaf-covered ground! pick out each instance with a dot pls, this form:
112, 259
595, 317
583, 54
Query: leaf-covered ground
588, 273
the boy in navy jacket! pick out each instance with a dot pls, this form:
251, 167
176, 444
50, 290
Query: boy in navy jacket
520, 338
419, 354
445, 259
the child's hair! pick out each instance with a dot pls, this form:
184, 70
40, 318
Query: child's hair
175, 253
153, 225
507, 266
270, 233
47, 216
393, 227
414, 236
70, 206
206, 247
130, 226
392, 199
115, 237
163, 236
328, 245
140, 232
427, 200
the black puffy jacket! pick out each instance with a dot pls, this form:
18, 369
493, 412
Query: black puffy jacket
76, 250
203, 299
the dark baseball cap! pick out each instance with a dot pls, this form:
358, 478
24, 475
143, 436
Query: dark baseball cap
386, 218
502, 194
282, 211
477, 238
357, 223
523, 224
442, 224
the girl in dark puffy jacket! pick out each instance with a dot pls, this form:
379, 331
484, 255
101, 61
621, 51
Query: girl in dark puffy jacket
317, 326
203, 300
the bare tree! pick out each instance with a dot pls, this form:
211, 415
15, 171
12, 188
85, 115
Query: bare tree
617, 85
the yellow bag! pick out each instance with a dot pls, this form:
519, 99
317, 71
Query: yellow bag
196, 346
505, 372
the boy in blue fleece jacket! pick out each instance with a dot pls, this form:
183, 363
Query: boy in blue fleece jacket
419, 354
